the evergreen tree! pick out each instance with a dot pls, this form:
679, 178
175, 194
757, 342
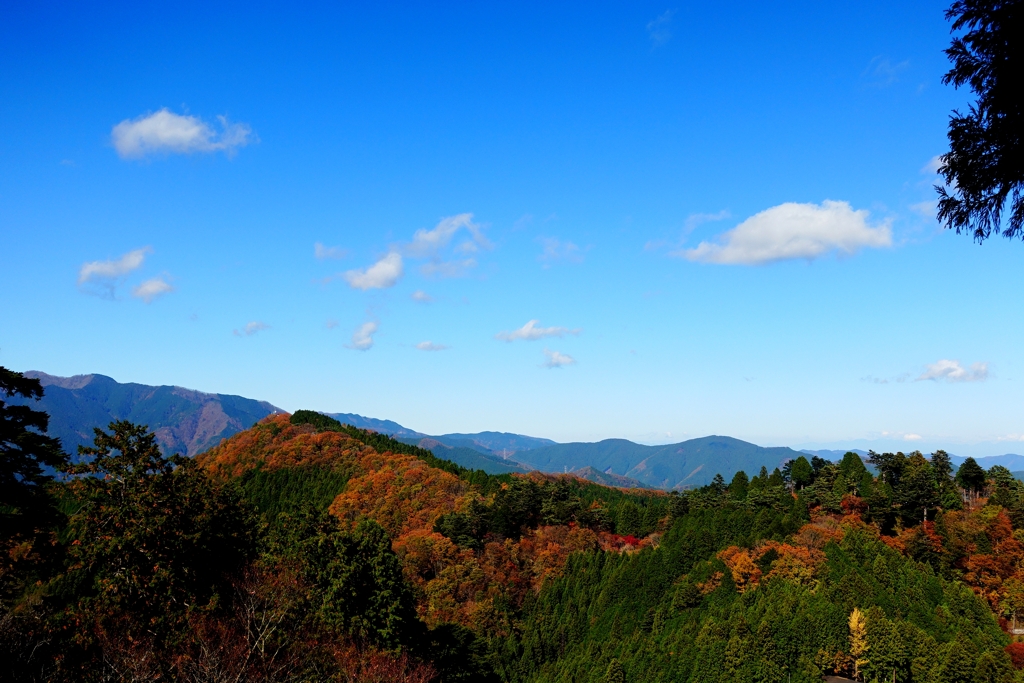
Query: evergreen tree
984, 168
628, 521
888, 654
993, 668
958, 665
153, 538
27, 511
889, 465
359, 586
1001, 476
615, 673
942, 466
852, 468
917, 492
971, 477
801, 473
738, 486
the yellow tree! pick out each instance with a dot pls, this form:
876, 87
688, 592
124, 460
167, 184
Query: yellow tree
858, 640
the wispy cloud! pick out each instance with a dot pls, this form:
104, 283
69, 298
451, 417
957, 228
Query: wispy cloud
430, 346
115, 268
556, 359
165, 132
933, 165
362, 338
692, 222
439, 268
428, 243
697, 219
434, 244
952, 371
926, 208
522, 222
531, 332
882, 71
323, 253
152, 289
331, 324
254, 327
381, 275
421, 297
101, 278
793, 231
659, 30
556, 250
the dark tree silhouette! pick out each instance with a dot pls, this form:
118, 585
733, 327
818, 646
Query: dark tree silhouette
153, 538
984, 168
27, 511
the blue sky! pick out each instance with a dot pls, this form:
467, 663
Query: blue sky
651, 221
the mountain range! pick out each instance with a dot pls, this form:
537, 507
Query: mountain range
190, 422
184, 420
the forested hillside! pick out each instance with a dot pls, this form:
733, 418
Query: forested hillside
303, 549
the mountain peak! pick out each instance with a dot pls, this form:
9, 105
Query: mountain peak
73, 382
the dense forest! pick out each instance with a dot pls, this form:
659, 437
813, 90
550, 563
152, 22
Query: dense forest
303, 549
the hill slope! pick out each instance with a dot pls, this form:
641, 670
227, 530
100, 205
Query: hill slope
185, 421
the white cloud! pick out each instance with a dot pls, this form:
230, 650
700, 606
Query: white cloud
912, 437
952, 371
251, 328
381, 275
428, 243
422, 297
167, 132
331, 324
94, 271
362, 338
557, 250
793, 231
1011, 437
321, 252
933, 165
439, 268
557, 360
531, 332
430, 346
151, 289
660, 30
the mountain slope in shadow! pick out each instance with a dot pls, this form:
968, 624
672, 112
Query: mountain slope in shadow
185, 421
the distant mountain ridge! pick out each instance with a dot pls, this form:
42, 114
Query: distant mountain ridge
184, 421
382, 426
674, 466
190, 422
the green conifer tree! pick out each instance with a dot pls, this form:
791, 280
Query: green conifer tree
615, 673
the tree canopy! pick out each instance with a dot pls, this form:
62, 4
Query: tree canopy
302, 549
27, 511
984, 167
